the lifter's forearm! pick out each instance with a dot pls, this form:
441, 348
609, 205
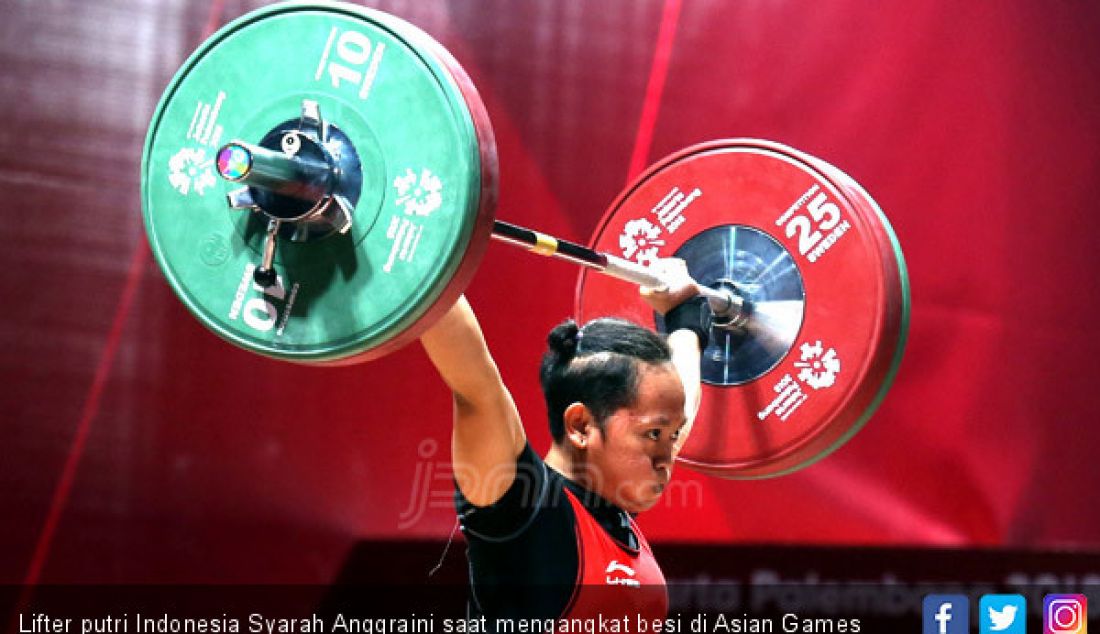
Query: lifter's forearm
457, 348
685, 357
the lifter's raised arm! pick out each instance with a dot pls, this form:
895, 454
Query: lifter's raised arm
488, 435
685, 344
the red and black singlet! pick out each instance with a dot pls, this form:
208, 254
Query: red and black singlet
615, 580
551, 549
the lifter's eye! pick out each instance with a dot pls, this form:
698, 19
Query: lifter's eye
653, 434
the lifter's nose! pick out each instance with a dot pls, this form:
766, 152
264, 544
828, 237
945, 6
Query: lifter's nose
662, 464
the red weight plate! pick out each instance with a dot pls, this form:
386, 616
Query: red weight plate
824, 276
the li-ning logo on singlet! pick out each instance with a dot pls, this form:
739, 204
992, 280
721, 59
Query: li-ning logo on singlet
615, 566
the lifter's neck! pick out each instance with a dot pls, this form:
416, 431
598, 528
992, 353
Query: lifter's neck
559, 460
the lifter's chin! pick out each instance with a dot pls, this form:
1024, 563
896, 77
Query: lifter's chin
644, 498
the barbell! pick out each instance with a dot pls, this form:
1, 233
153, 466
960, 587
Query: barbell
319, 184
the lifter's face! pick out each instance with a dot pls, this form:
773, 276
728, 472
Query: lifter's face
629, 461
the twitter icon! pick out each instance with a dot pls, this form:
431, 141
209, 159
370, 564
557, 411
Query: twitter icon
1003, 614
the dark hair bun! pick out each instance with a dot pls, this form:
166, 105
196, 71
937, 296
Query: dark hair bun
563, 341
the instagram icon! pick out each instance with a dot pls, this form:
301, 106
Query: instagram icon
1065, 614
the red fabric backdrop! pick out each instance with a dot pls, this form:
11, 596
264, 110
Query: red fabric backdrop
139, 447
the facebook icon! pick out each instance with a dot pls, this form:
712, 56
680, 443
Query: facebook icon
946, 614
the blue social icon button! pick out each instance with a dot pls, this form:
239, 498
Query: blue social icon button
1002, 614
946, 614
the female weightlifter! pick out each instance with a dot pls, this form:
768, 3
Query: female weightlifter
555, 537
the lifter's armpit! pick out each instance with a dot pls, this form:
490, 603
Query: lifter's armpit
488, 434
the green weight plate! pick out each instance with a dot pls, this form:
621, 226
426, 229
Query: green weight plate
421, 220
